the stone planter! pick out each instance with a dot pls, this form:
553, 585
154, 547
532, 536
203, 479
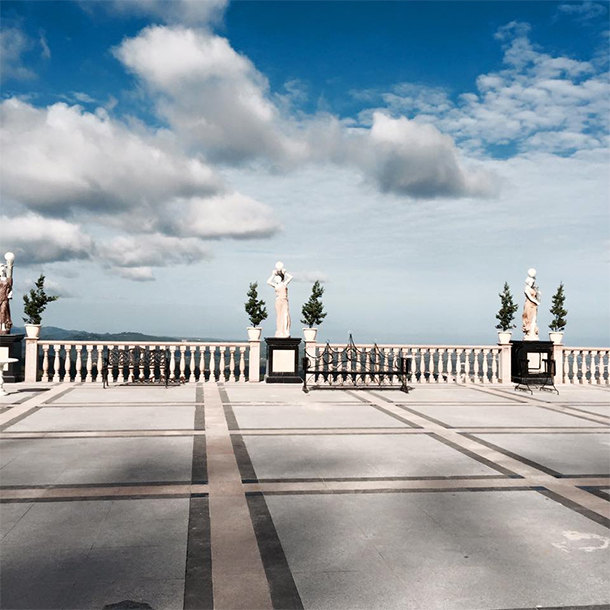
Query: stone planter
310, 334
254, 333
556, 337
504, 337
32, 331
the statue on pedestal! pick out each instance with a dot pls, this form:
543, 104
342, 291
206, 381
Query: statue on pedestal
6, 293
530, 308
279, 281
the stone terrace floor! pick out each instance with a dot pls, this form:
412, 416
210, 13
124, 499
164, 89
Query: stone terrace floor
259, 496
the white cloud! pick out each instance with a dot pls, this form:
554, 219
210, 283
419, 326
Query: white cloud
65, 162
212, 96
151, 251
219, 103
13, 44
537, 102
136, 274
200, 12
35, 239
583, 11
46, 51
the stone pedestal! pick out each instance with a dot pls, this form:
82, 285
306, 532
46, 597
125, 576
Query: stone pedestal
282, 360
11, 347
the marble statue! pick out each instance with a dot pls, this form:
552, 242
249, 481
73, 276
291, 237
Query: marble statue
6, 293
530, 308
279, 281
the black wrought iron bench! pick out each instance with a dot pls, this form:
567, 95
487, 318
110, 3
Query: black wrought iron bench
542, 376
145, 365
337, 367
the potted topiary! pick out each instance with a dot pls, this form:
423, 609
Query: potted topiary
257, 312
34, 305
506, 315
313, 312
559, 321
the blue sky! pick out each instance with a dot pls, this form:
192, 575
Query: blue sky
411, 155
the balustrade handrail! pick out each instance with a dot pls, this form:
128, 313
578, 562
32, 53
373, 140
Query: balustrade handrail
413, 346
145, 343
586, 349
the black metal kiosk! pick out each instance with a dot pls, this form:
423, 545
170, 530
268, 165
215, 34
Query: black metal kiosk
532, 364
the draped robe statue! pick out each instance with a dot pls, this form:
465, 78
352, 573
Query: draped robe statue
279, 281
530, 308
6, 293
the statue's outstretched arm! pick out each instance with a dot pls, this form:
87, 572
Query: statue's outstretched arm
270, 280
287, 278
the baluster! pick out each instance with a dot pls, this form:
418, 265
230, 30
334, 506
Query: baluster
172, 362
100, 362
573, 372
191, 374
182, 363
67, 363
110, 368
153, 353
457, 366
476, 367
130, 364
45, 362
582, 367
367, 361
494, 365
208, 364
121, 373
242, 364
232, 363
56, 363
145, 356
485, 366
593, 380
440, 369
78, 375
89, 363
203, 352
221, 363
433, 366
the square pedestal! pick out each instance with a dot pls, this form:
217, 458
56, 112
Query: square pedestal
282, 360
10, 345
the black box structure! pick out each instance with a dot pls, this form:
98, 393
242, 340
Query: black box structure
282, 360
532, 364
11, 346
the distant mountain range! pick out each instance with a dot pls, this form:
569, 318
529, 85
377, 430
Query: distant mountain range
53, 333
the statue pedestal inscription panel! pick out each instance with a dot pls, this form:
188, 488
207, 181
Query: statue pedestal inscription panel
282, 360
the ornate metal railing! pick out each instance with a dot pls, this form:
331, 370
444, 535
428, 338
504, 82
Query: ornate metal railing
439, 363
82, 361
350, 365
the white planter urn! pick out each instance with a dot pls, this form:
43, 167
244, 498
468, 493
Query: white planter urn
254, 333
32, 331
504, 336
556, 337
310, 334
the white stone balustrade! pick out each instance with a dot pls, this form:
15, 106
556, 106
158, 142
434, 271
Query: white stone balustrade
430, 364
81, 361
231, 362
585, 365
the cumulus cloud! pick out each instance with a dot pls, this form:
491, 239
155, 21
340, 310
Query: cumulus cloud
69, 163
35, 239
13, 44
220, 104
537, 102
211, 95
